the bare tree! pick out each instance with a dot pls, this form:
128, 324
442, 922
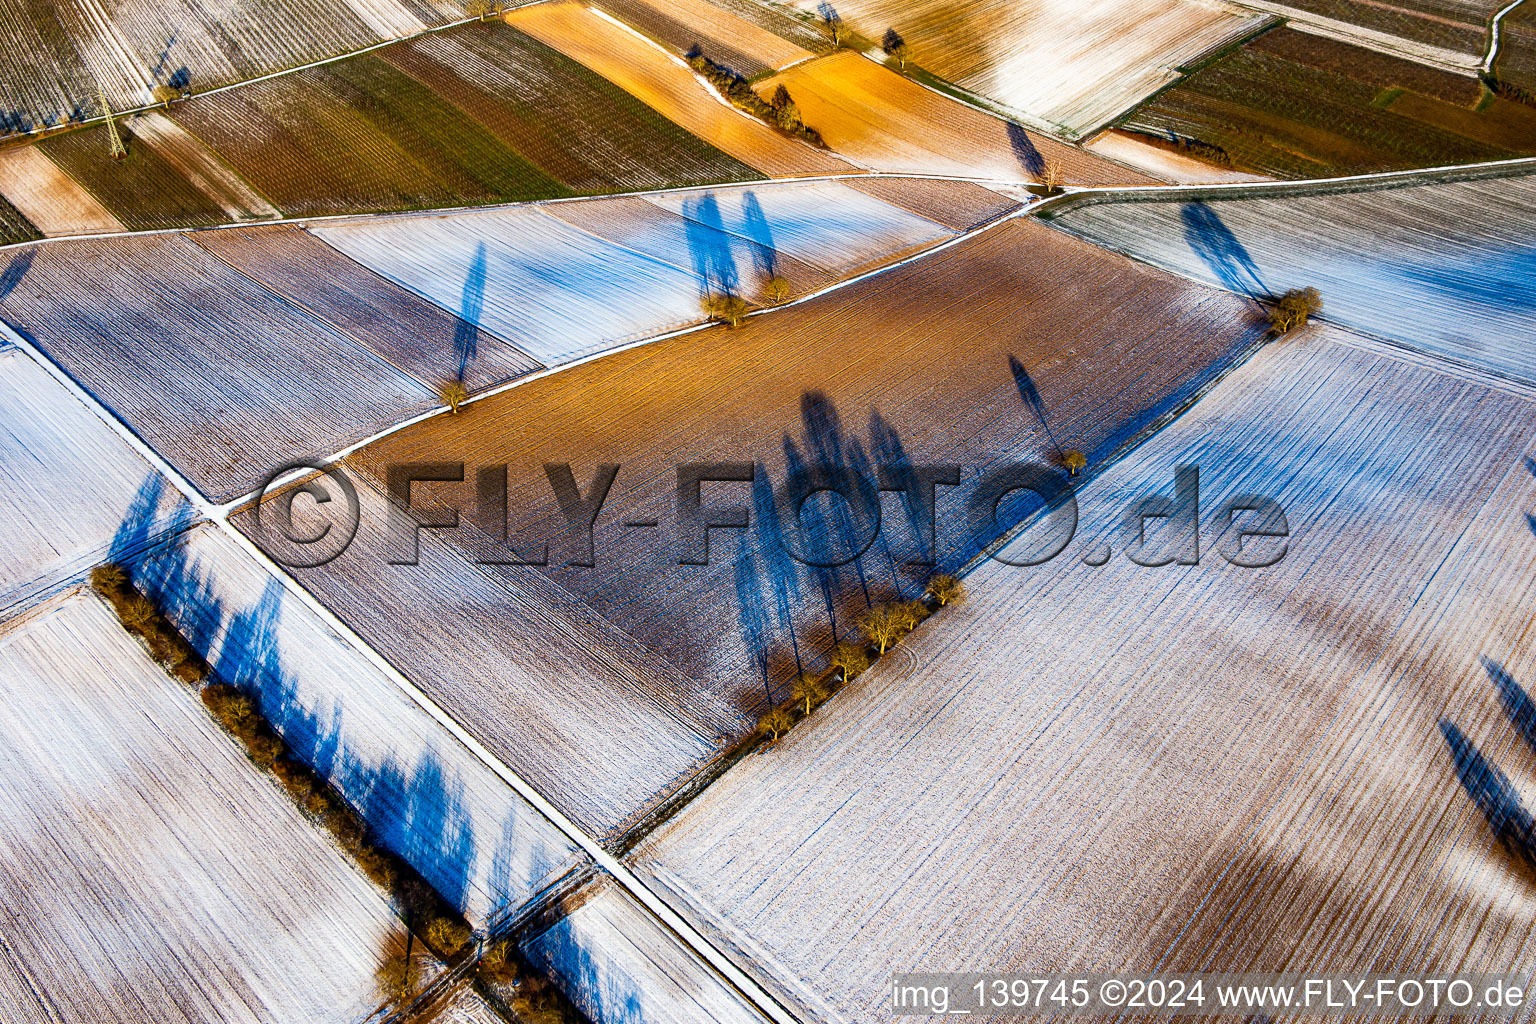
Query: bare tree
895, 47
909, 614
1074, 459
1053, 177
831, 21
776, 723
809, 691
1294, 308
452, 394
398, 976
850, 659
109, 578
884, 626
945, 588
726, 308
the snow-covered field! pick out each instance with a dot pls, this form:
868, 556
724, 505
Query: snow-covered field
568, 280
57, 56
225, 377
431, 343
422, 792
1070, 64
611, 683
151, 874
1199, 767
1447, 269
621, 967
70, 483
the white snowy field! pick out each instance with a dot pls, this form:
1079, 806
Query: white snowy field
1186, 767
151, 873
70, 482
618, 964
559, 292
1447, 268
422, 792
224, 375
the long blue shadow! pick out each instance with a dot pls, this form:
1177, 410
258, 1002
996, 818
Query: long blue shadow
1024, 150
757, 230
710, 246
1210, 239
466, 332
15, 269
1492, 792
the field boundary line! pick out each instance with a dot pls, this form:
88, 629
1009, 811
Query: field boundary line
41, 588
1391, 348
1073, 195
1445, 174
1495, 28
672, 922
679, 890
1263, 21
460, 211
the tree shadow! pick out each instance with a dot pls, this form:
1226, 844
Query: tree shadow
1210, 239
1492, 792
15, 122
896, 464
466, 331
603, 993
752, 615
830, 18
521, 869
755, 226
835, 530
163, 59
1024, 150
713, 262
1030, 396
1505, 279
15, 269
782, 571
131, 538
1518, 706
420, 813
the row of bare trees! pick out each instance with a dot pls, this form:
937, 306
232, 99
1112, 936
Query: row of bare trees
428, 914
883, 627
